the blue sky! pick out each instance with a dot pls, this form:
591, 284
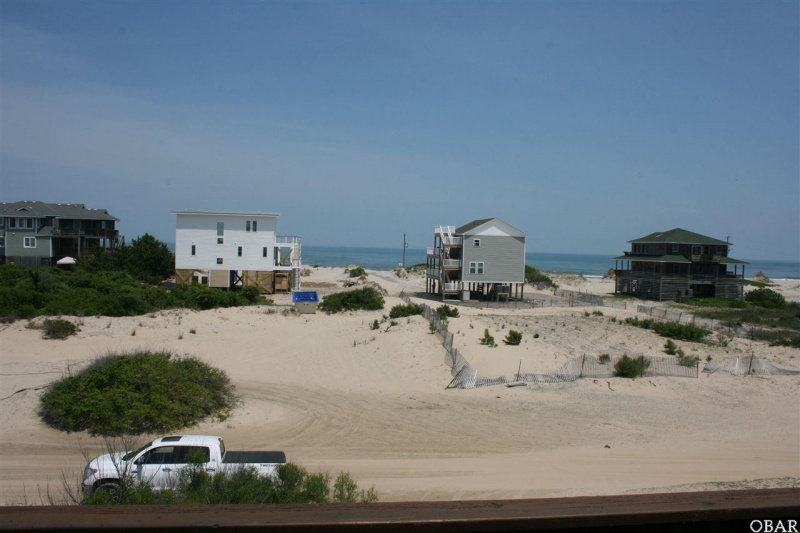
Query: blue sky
583, 124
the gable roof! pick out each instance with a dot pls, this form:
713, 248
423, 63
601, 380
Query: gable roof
476, 226
679, 236
36, 209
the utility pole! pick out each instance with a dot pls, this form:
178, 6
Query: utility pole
405, 245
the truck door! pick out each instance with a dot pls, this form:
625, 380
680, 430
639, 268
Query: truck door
160, 467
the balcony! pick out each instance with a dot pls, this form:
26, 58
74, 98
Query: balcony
432, 252
85, 232
452, 241
452, 286
433, 273
286, 240
451, 263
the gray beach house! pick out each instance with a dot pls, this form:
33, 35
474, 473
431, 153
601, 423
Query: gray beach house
482, 259
676, 264
36, 233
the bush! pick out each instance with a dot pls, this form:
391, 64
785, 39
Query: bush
686, 332
357, 272
670, 348
766, 298
514, 338
688, 360
58, 329
138, 393
445, 311
604, 358
487, 339
538, 278
195, 486
628, 367
367, 298
400, 311
27, 292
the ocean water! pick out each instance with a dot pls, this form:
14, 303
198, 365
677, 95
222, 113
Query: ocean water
587, 264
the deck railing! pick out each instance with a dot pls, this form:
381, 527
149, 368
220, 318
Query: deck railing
85, 232
287, 240
452, 286
451, 263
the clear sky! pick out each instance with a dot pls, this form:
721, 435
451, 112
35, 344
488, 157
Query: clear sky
583, 124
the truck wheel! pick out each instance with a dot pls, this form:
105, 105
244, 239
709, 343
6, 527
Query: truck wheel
109, 488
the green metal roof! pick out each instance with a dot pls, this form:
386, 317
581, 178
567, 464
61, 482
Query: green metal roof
674, 259
732, 261
679, 236
655, 258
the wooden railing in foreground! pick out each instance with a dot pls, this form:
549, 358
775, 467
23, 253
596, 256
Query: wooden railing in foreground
736, 510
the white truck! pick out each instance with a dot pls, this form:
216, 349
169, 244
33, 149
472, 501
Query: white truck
158, 463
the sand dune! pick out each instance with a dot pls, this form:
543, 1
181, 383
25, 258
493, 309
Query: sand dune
336, 395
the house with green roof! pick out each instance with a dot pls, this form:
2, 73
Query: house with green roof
676, 264
482, 259
34, 233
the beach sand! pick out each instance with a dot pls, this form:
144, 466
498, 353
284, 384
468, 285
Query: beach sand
336, 396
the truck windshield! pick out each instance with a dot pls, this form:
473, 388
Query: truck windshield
130, 455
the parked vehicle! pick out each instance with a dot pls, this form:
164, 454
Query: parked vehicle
158, 463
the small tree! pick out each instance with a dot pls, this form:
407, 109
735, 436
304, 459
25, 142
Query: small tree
670, 348
514, 338
149, 259
58, 329
487, 339
628, 367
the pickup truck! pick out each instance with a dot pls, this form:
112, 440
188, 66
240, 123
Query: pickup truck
159, 462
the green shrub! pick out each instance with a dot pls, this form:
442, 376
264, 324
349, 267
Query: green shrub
487, 339
445, 311
400, 311
766, 298
366, 298
688, 360
195, 486
138, 393
514, 338
58, 329
628, 367
538, 278
670, 347
604, 359
686, 332
357, 272
27, 292
375, 325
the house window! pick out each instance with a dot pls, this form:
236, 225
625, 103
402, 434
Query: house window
29, 242
247, 226
12, 223
2, 221
220, 240
476, 267
255, 225
2, 242
697, 250
194, 250
476, 243
240, 251
220, 229
219, 260
29, 223
676, 248
264, 251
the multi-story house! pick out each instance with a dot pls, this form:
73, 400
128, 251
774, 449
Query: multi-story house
675, 264
485, 258
36, 233
228, 250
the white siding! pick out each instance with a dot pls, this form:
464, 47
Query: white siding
200, 229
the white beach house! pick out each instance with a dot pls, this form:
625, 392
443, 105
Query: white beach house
227, 250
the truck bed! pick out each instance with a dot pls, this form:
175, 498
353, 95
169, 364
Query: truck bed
254, 457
